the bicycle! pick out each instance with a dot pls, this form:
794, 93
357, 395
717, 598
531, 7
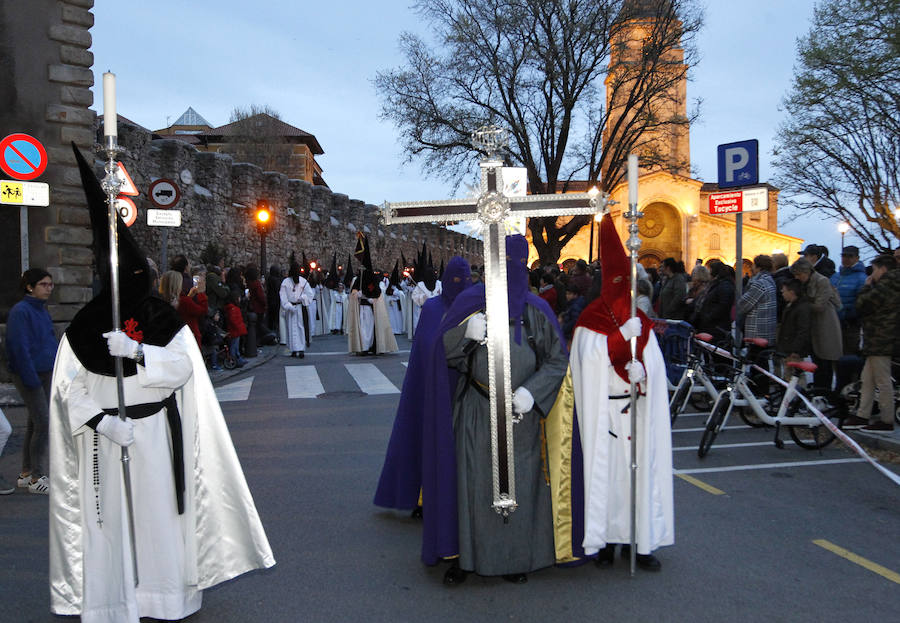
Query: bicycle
697, 386
805, 428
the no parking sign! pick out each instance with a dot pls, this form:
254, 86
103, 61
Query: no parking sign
22, 157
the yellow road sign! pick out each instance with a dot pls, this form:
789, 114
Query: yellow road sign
24, 193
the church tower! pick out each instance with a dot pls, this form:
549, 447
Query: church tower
647, 62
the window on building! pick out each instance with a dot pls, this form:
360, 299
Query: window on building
714, 244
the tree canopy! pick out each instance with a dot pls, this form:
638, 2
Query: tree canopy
838, 152
541, 69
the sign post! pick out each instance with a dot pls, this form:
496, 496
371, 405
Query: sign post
738, 166
164, 194
23, 158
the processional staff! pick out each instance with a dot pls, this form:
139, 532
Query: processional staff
111, 184
634, 244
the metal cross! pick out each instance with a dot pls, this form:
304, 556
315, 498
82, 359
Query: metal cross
492, 208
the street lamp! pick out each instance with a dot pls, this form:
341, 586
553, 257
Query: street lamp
263, 218
843, 228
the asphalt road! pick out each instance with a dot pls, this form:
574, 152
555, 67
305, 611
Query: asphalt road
757, 532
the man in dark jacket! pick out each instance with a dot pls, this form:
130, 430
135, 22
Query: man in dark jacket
877, 305
848, 281
817, 255
673, 291
574, 307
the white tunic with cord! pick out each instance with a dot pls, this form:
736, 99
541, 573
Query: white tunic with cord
294, 296
605, 438
219, 535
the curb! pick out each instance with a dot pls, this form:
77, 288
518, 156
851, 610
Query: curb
264, 355
877, 442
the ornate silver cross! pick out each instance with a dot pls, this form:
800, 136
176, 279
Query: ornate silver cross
492, 208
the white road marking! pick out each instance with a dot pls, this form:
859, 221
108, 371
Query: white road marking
344, 352
405, 364
738, 468
703, 428
733, 445
370, 379
302, 382
235, 392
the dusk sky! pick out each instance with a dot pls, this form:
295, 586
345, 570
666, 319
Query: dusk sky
315, 63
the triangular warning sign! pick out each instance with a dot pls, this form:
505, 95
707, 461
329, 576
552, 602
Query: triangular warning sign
128, 188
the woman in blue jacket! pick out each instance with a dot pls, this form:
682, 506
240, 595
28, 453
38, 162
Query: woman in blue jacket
30, 350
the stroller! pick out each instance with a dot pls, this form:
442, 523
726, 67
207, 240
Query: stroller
213, 336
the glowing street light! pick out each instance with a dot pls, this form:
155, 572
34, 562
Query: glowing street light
843, 228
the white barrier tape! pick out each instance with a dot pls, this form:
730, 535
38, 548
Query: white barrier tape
837, 431
825, 421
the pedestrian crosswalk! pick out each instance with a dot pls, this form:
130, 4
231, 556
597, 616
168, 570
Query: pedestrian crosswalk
316, 380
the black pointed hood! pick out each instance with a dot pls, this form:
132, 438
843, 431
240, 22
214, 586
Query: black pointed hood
395, 275
145, 317
331, 279
348, 272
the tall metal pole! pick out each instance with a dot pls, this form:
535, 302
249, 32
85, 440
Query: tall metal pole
738, 271
634, 244
111, 185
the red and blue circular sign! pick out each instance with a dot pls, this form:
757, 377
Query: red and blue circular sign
22, 157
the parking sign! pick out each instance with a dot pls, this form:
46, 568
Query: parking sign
738, 164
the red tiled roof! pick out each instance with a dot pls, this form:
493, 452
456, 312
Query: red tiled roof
236, 128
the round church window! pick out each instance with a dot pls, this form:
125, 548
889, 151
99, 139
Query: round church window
652, 223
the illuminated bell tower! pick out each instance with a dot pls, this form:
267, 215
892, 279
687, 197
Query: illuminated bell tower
649, 25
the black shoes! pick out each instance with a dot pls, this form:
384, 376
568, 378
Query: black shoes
454, 575
416, 513
647, 562
516, 578
606, 556
298, 353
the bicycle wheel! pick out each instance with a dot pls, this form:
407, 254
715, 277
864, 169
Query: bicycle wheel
700, 401
814, 437
714, 423
679, 398
771, 402
228, 362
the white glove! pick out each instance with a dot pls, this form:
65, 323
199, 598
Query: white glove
522, 401
476, 327
636, 372
120, 345
631, 328
117, 430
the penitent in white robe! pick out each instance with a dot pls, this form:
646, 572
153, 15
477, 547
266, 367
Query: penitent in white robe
395, 312
219, 535
294, 296
605, 439
365, 323
419, 295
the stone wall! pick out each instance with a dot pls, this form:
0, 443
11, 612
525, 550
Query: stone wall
219, 196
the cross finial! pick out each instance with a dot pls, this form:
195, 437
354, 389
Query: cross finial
490, 139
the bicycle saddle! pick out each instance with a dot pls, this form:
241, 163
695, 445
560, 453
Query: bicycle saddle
757, 341
806, 366
704, 337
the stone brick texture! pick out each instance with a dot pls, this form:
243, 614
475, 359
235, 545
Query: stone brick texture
220, 196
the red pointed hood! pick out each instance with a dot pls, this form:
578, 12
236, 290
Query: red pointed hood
612, 308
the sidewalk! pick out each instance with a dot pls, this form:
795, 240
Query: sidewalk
880, 442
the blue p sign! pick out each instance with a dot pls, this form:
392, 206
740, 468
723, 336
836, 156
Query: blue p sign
739, 164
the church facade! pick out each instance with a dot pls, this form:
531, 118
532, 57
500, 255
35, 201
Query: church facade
676, 221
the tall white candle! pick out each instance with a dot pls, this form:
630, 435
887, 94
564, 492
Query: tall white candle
109, 104
632, 179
